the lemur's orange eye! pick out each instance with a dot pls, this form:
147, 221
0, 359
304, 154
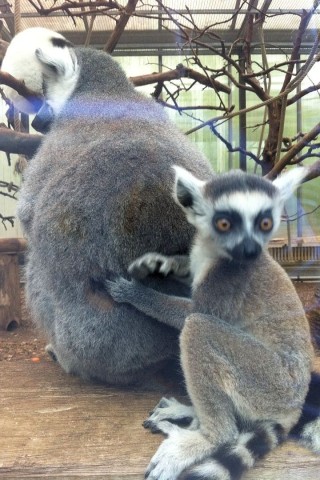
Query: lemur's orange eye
266, 224
223, 225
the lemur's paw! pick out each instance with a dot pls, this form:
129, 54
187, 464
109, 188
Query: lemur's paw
151, 263
171, 410
119, 289
147, 265
180, 450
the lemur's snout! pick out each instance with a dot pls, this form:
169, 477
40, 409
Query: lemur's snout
248, 249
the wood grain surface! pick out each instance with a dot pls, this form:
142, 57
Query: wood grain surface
53, 425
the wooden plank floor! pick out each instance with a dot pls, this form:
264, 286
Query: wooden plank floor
55, 426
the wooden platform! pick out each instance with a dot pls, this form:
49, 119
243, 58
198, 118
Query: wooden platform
56, 426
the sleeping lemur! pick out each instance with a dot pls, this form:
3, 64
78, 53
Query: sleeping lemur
245, 343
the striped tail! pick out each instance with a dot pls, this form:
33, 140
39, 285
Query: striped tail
231, 460
307, 430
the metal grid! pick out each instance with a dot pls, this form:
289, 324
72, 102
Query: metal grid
225, 17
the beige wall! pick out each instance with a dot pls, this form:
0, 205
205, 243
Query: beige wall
8, 205
8, 174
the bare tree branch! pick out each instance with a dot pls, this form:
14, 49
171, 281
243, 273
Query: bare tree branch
284, 161
17, 142
4, 219
305, 19
232, 149
179, 72
314, 171
69, 6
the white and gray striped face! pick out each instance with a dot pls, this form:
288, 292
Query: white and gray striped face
237, 212
243, 222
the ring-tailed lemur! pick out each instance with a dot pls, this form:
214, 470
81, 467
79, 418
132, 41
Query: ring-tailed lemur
245, 343
88, 203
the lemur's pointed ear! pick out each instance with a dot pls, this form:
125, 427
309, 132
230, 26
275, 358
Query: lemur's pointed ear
289, 181
188, 193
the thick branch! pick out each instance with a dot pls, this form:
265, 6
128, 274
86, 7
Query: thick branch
16, 142
252, 81
21, 89
120, 26
179, 72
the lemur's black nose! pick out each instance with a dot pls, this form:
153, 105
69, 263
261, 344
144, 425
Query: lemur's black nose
251, 249
248, 249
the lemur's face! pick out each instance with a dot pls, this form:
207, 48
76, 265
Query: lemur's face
242, 223
235, 213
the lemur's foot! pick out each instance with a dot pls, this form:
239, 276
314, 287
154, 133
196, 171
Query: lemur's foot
181, 449
151, 263
171, 410
310, 435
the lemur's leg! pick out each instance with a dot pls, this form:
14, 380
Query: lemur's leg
150, 263
231, 374
164, 308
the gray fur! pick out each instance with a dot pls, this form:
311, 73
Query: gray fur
246, 350
92, 201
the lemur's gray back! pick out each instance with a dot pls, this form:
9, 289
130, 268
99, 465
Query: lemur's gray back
96, 196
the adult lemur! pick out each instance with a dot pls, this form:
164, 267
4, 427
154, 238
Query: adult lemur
246, 350
93, 199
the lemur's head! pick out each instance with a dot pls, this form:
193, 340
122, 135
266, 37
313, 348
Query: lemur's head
46, 62
237, 212
40, 57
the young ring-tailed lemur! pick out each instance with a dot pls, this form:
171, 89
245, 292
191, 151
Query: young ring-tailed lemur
245, 343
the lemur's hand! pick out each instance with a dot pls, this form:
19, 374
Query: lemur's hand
151, 263
120, 289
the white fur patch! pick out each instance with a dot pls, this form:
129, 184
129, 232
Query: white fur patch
172, 410
204, 254
186, 183
211, 469
311, 435
59, 86
248, 204
289, 181
179, 451
240, 449
20, 61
